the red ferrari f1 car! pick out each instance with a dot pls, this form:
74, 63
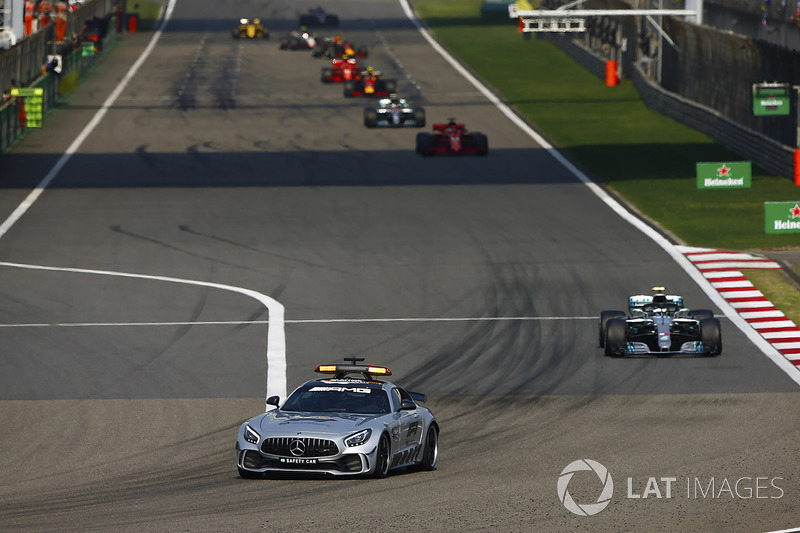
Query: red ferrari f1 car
453, 139
370, 83
341, 70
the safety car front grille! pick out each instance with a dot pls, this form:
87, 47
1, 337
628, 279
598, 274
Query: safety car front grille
299, 447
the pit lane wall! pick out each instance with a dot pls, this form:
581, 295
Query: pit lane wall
23, 63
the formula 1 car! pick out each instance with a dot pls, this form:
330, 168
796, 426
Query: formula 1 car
337, 47
452, 139
298, 40
371, 84
658, 324
341, 70
250, 29
348, 424
394, 112
319, 17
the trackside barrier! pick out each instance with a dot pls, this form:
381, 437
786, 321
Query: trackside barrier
767, 153
73, 67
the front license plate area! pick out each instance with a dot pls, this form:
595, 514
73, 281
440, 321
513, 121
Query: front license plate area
298, 461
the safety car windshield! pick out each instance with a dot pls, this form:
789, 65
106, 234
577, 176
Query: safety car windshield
355, 398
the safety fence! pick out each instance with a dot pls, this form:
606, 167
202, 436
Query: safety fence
741, 136
23, 64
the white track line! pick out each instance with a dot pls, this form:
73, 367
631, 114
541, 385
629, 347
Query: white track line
615, 206
276, 337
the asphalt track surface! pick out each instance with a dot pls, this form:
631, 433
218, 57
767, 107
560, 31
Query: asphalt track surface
476, 280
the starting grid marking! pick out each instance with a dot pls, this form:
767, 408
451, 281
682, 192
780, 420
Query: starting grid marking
722, 269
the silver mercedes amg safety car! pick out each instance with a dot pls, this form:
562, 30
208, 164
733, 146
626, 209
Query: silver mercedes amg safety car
348, 424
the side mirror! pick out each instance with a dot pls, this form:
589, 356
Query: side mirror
274, 400
407, 405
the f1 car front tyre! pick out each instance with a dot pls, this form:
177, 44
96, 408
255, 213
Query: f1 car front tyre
424, 143
481, 144
605, 316
382, 458
326, 75
349, 86
711, 335
419, 117
616, 337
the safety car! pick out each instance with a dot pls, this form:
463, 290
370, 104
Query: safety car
250, 29
349, 423
659, 324
452, 138
394, 112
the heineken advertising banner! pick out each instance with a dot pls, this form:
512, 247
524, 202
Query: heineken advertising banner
771, 99
724, 175
781, 217
34, 102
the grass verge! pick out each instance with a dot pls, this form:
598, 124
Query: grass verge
645, 157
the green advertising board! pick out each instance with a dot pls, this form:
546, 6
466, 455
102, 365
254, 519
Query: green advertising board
781, 217
33, 101
737, 175
771, 99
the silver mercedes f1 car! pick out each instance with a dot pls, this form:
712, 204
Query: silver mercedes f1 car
348, 424
659, 324
394, 112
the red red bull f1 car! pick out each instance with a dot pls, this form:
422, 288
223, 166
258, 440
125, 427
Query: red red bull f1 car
370, 84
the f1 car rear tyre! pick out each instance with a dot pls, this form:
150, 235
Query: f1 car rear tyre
246, 474
430, 453
700, 314
419, 117
711, 335
616, 336
370, 118
605, 316
424, 143
382, 458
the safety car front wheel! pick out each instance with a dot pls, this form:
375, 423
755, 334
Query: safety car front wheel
382, 458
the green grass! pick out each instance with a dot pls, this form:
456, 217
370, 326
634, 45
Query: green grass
646, 158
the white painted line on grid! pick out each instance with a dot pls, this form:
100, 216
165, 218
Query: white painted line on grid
295, 321
276, 337
677, 255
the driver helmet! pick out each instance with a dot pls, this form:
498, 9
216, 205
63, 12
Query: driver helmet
256, 21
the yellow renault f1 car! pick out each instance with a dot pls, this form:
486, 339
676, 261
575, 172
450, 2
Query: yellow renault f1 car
250, 29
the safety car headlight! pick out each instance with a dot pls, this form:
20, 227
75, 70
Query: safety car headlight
250, 435
357, 439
